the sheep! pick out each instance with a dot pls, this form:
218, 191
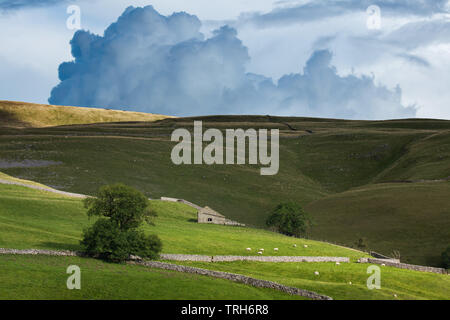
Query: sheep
295, 246
338, 263
316, 273
249, 249
350, 283
395, 296
383, 265
261, 249
259, 252
275, 249
306, 246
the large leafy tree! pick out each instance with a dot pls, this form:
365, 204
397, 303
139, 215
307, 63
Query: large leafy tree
124, 205
290, 219
115, 235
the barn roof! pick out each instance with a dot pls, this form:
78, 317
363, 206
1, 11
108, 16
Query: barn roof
208, 211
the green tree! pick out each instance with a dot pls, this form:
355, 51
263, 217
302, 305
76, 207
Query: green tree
290, 219
446, 258
115, 235
124, 205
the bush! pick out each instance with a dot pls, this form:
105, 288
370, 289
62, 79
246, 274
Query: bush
290, 219
446, 258
115, 236
105, 240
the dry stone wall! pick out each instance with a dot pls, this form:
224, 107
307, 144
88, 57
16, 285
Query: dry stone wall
234, 277
68, 194
204, 258
394, 263
43, 252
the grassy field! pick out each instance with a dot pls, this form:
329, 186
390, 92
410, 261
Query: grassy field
31, 218
44, 277
334, 280
22, 114
37, 219
321, 161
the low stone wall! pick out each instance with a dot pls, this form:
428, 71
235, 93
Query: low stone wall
43, 252
234, 277
377, 255
204, 258
193, 205
279, 259
185, 257
393, 263
68, 194
233, 223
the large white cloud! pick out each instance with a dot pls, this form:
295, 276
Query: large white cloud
150, 62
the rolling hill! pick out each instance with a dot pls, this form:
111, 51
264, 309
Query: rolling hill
22, 114
386, 181
31, 218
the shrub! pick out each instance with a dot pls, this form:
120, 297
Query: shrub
105, 240
290, 219
115, 236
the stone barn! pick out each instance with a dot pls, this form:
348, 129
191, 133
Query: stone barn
208, 215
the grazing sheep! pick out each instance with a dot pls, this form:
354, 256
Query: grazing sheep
316, 273
295, 246
395, 296
249, 249
276, 249
338, 263
259, 252
383, 265
261, 249
306, 246
350, 283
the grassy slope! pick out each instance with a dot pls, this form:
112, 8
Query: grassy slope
333, 280
22, 114
9, 178
336, 157
31, 218
36, 219
43, 277
422, 207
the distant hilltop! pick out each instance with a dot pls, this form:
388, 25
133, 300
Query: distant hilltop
15, 114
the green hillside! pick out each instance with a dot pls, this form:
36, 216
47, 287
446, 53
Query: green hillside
44, 278
320, 160
31, 218
22, 114
42, 220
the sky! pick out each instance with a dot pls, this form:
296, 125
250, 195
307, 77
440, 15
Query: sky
332, 58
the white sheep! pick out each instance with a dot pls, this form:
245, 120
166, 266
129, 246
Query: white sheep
350, 283
316, 273
249, 249
306, 246
383, 265
261, 249
275, 249
259, 252
295, 246
338, 263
